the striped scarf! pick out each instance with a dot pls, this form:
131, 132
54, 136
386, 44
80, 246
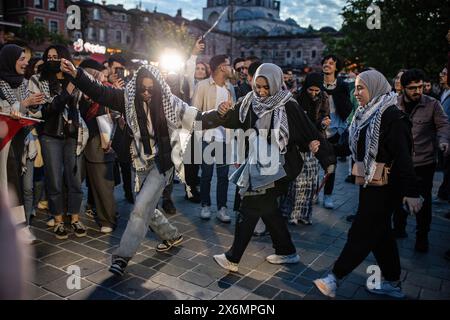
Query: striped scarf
275, 104
369, 116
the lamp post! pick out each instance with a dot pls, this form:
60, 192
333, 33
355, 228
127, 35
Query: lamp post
231, 18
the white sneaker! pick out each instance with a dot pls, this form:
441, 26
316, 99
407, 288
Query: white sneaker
327, 286
277, 259
222, 261
223, 216
387, 288
205, 213
51, 222
106, 230
328, 202
26, 235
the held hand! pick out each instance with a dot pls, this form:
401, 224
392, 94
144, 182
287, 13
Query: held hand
414, 204
16, 114
198, 47
34, 99
119, 83
224, 107
68, 67
314, 146
444, 147
326, 121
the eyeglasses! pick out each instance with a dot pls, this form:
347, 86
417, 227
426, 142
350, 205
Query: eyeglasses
148, 89
241, 69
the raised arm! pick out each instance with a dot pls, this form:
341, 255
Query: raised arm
106, 96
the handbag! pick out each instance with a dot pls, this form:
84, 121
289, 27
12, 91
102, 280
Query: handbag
380, 178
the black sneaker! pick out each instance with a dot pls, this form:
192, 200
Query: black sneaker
60, 231
79, 229
118, 265
168, 244
168, 207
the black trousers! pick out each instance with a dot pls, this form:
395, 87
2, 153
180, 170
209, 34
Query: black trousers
101, 180
265, 207
125, 168
329, 185
371, 232
444, 189
424, 176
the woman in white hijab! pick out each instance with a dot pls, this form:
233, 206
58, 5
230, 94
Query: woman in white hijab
272, 110
379, 134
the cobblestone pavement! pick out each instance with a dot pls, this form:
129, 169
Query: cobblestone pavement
189, 272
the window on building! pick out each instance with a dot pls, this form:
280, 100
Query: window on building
101, 35
118, 36
124, 17
39, 20
288, 54
313, 54
52, 5
299, 53
91, 33
38, 4
264, 54
53, 26
77, 35
96, 14
242, 54
128, 39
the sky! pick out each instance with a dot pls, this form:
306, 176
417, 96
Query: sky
318, 13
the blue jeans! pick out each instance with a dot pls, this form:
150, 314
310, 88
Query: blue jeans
144, 213
32, 189
61, 163
222, 169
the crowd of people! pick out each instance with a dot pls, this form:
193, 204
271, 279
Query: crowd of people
104, 124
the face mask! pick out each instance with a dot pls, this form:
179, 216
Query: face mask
53, 66
290, 84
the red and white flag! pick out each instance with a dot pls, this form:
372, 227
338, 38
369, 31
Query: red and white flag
14, 125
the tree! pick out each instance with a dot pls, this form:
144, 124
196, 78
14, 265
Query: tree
162, 33
412, 34
37, 33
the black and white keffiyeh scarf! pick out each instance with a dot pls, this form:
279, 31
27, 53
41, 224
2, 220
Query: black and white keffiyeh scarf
369, 116
273, 104
9, 94
180, 119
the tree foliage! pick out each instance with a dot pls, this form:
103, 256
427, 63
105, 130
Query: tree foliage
412, 34
37, 33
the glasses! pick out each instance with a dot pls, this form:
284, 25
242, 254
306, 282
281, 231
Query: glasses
241, 69
144, 89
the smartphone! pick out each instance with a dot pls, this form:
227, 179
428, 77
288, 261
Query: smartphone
202, 41
120, 73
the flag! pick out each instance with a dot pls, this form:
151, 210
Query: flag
14, 125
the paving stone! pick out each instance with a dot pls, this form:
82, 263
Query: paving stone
184, 286
44, 249
141, 271
233, 293
50, 296
47, 274
94, 293
83, 250
89, 266
248, 283
134, 288
62, 258
106, 279
62, 288
284, 295
162, 293
425, 281
34, 292
169, 269
266, 291
198, 279
426, 294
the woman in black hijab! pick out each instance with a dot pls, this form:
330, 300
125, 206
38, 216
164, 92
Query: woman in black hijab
14, 100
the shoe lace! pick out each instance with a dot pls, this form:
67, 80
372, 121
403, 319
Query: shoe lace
78, 225
59, 227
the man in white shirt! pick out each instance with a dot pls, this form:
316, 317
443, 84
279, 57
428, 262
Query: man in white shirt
208, 95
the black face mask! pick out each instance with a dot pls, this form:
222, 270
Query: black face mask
53, 66
290, 84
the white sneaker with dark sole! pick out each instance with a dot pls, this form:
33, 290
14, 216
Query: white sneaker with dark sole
222, 261
278, 259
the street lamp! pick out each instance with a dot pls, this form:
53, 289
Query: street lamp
231, 18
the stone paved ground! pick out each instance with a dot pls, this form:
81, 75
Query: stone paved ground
189, 272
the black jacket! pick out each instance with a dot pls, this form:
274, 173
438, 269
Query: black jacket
341, 99
301, 132
395, 149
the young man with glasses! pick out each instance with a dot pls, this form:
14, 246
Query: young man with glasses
430, 128
242, 87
